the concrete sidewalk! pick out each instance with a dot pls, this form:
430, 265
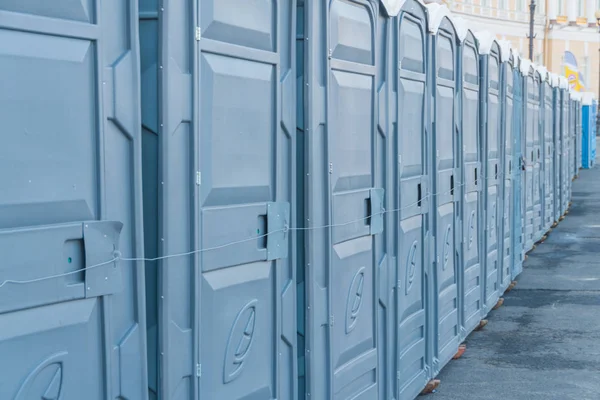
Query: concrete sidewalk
544, 342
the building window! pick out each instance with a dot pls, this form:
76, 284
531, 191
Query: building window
585, 68
502, 5
520, 5
580, 8
561, 10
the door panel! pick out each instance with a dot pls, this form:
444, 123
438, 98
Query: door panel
473, 182
446, 200
72, 313
413, 202
246, 311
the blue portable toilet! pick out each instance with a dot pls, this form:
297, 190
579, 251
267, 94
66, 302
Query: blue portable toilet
588, 126
443, 44
518, 178
547, 118
538, 136
507, 90
489, 106
412, 343
531, 125
470, 268
575, 109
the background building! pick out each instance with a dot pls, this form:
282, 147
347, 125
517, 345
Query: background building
566, 33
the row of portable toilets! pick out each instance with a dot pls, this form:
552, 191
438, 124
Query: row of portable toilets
255, 200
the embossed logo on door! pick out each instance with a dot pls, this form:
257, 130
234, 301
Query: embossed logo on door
411, 266
355, 299
240, 341
44, 381
447, 247
493, 220
471, 229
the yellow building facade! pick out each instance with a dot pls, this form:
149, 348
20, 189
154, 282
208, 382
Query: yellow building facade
566, 37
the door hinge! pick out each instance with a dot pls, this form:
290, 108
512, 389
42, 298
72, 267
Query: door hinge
198, 33
198, 370
198, 178
331, 320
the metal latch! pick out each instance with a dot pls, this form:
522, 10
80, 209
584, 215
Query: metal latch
278, 226
101, 240
376, 199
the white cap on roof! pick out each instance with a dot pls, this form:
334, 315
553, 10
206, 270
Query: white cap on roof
504, 50
461, 27
563, 83
543, 71
485, 40
393, 7
553, 79
575, 95
437, 12
525, 65
587, 98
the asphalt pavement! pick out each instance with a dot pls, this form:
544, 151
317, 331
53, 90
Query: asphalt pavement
544, 342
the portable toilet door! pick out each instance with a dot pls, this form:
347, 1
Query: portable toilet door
72, 308
574, 125
585, 134
564, 138
557, 107
531, 126
588, 124
492, 167
346, 181
414, 307
443, 43
593, 131
470, 275
219, 155
538, 136
507, 102
548, 151
577, 133
518, 234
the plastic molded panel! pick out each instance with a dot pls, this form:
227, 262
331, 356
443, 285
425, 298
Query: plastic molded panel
492, 204
70, 202
219, 152
538, 183
517, 236
506, 249
588, 135
531, 124
548, 156
413, 200
472, 177
446, 184
346, 138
